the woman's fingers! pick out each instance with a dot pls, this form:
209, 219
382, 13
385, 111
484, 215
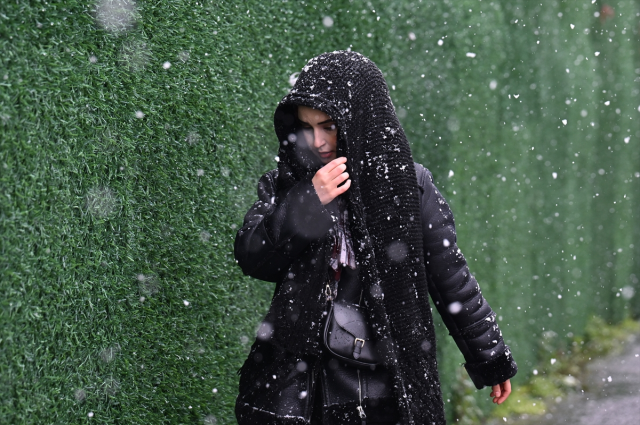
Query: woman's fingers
334, 164
333, 170
501, 392
342, 189
329, 177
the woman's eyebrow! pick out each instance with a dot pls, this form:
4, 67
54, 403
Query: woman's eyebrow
320, 123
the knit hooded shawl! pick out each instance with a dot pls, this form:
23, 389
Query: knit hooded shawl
383, 203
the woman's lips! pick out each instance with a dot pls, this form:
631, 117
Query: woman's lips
325, 154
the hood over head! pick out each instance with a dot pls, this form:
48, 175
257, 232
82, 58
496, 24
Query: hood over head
350, 89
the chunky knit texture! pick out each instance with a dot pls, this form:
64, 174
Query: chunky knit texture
385, 217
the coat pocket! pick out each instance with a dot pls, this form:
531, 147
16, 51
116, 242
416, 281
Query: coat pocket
274, 385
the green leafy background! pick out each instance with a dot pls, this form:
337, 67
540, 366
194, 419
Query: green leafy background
123, 180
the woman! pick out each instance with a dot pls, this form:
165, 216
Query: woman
348, 217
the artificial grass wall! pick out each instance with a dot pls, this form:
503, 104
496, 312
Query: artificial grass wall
132, 137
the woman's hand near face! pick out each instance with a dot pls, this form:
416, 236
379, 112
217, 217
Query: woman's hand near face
328, 178
501, 392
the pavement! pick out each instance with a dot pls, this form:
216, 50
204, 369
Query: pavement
611, 395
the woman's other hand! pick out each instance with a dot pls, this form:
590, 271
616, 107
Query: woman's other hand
501, 392
329, 177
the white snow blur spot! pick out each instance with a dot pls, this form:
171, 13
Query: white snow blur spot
134, 55
554, 175
553, 361
609, 379
535, 371
108, 354
471, 55
265, 331
302, 395
584, 113
116, 15
412, 36
327, 21
440, 42
139, 114
450, 173
200, 172
493, 84
193, 137
80, 394
572, 26
184, 55
93, 59
426, 346
210, 420
626, 139
376, 292
564, 122
453, 124
186, 303
597, 53
628, 292
215, 391
455, 307
293, 78
446, 243
90, 414
166, 65
397, 251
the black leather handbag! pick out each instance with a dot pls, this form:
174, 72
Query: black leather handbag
348, 336
352, 368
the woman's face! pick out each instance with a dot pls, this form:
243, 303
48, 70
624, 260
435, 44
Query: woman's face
320, 132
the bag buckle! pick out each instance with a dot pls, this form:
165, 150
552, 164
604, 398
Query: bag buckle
357, 349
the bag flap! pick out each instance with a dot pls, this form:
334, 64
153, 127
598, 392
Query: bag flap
350, 317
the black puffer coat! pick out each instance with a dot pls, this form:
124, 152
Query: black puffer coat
286, 239
268, 244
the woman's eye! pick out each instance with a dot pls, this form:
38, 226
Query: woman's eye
332, 127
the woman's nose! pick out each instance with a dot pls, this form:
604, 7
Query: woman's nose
318, 139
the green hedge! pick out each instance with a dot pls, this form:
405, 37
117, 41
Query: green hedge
132, 137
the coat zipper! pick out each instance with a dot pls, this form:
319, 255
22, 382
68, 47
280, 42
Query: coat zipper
363, 416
